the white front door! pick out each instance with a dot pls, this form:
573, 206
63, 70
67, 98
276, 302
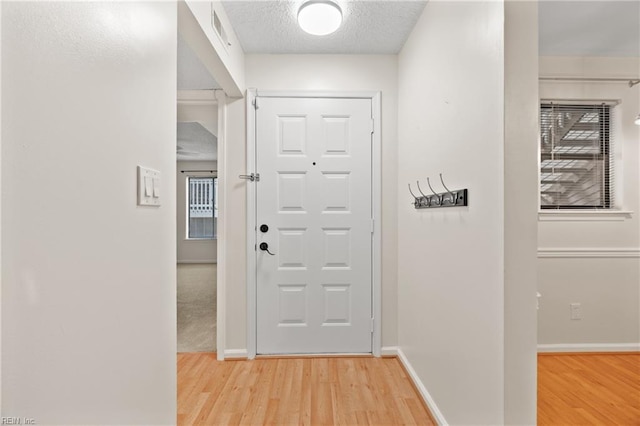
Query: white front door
314, 292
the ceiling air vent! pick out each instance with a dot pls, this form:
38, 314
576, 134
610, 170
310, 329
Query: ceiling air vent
218, 28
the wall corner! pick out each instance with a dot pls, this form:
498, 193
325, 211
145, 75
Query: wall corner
520, 211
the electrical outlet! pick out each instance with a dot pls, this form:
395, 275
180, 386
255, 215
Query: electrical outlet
576, 311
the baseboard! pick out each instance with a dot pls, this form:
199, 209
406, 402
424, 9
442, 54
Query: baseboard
426, 397
389, 351
230, 354
195, 262
615, 253
589, 347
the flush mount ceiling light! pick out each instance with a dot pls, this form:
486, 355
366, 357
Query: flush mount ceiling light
637, 120
319, 17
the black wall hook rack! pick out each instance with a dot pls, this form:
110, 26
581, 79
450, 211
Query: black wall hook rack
455, 198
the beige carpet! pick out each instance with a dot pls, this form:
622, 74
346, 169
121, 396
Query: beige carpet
197, 307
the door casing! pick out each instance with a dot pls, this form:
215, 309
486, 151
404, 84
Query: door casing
375, 98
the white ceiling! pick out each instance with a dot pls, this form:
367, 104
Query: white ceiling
571, 28
195, 143
369, 27
589, 28
192, 74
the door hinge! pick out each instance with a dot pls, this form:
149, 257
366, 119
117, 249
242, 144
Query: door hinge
255, 103
373, 225
372, 325
372, 125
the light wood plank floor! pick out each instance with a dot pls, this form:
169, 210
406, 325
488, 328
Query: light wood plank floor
589, 389
309, 391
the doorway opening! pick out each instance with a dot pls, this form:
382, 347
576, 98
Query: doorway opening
196, 204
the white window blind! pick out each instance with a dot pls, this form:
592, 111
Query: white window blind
202, 208
575, 156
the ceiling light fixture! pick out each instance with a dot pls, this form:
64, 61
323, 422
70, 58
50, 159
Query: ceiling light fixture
637, 120
319, 17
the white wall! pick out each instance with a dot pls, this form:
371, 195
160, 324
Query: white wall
88, 278
235, 227
313, 72
452, 277
202, 112
192, 251
0, 206
520, 207
607, 286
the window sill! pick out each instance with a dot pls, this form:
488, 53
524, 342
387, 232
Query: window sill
583, 215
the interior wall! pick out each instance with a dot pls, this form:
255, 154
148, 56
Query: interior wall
318, 73
235, 228
88, 277
225, 61
192, 251
520, 207
589, 258
204, 113
451, 260
0, 206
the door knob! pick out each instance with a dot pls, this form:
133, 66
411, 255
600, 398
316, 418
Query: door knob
265, 247
264, 228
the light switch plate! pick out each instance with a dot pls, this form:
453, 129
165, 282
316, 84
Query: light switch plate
148, 187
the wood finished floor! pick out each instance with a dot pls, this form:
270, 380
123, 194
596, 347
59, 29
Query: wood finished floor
300, 391
589, 389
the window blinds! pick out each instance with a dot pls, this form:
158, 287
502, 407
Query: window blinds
576, 158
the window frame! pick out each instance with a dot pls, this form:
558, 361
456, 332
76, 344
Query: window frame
214, 218
605, 121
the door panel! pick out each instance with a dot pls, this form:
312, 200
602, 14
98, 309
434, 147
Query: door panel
314, 295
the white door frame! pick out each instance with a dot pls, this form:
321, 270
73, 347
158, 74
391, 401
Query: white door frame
221, 274
376, 186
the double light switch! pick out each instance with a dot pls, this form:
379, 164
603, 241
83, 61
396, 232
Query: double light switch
148, 187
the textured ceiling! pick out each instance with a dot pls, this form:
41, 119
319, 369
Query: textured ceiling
589, 28
368, 27
192, 74
572, 28
195, 143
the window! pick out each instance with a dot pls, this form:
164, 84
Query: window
576, 165
202, 207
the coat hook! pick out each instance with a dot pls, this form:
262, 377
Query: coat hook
416, 202
449, 198
434, 192
419, 189
425, 200
454, 197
